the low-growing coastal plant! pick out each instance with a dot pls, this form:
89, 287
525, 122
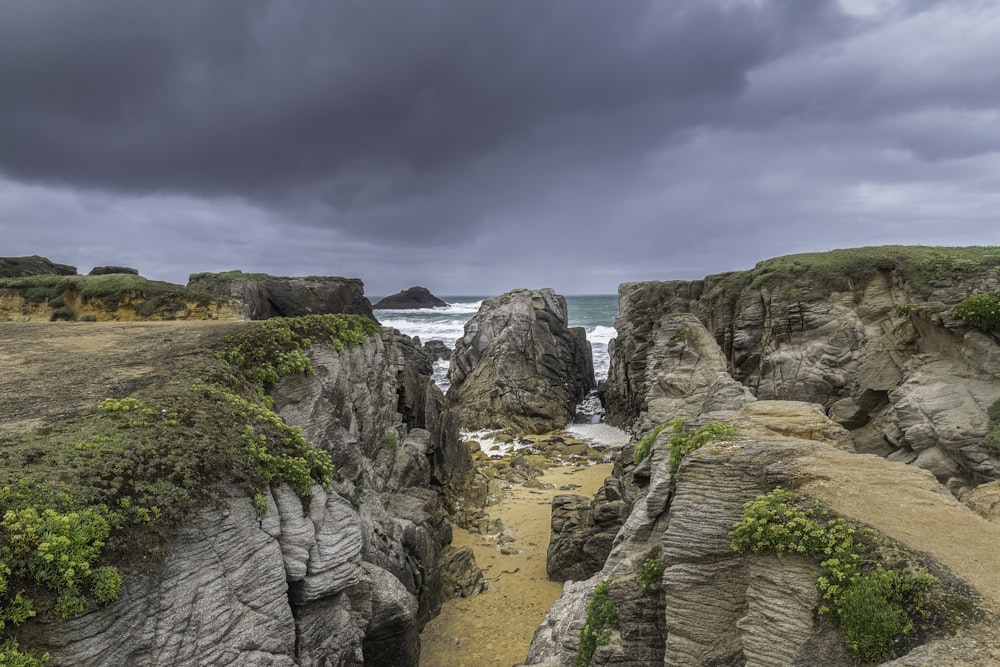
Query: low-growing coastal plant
652, 570
904, 309
685, 441
874, 602
602, 614
11, 655
389, 441
645, 445
81, 498
981, 311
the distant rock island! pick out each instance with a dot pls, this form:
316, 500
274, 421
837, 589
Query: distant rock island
410, 299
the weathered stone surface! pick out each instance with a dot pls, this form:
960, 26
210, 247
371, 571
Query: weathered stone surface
583, 531
411, 299
902, 384
109, 270
34, 265
985, 501
519, 366
346, 578
460, 575
219, 599
722, 608
274, 296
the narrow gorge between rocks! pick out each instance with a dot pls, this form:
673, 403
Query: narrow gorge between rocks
299, 491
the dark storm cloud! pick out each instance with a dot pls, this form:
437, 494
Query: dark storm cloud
358, 105
571, 143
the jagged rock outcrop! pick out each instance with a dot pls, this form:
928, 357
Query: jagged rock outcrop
273, 296
111, 270
583, 531
411, 299
347, 578
437, 349
874, 345
33, 265
714, 606
519, 365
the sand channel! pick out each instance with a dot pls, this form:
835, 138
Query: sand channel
495, 627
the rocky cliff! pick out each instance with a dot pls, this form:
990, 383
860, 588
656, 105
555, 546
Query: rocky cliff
702, 603
519, 365
346, 577
267, 296
867, 333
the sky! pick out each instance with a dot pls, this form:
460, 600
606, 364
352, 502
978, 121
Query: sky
477, 146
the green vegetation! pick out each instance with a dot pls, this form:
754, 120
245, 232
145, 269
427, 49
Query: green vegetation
108, 290
646, 444
12, 656
812, 276
904, 309
652, 570
685, 441
85, 499
869, 587
602, 613
993, 436
981, 311
389, 441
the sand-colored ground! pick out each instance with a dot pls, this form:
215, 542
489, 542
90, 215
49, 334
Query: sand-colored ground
495, 627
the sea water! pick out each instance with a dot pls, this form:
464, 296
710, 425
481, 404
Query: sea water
595, 313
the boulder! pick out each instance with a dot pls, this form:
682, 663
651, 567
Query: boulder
109, 270
437, 350
460, 575
34, 265
411, 299
272, 296
519, 365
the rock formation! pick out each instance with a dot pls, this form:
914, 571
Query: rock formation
879, 350
272, 296
110, 270
519, 366
347, 579
34, 265
712, 605
411, 299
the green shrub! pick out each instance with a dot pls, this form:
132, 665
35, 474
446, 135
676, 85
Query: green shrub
63, 313
652, 570
646, 444
904, 309
389, 441
872, 605
981, 311
685, 441
12, 656
993, 412
602, 613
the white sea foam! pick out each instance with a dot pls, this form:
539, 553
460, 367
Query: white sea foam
601, 335
602, 434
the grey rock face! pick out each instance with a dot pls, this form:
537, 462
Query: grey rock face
716, 607
460, 575
108, 270
913, 387
519, 365
348, 578
583, 531
273, 296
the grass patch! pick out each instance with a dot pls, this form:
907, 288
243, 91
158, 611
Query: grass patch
82, 501
209, 281
602, 613
645, 445
813, 276
685, 441
870, 587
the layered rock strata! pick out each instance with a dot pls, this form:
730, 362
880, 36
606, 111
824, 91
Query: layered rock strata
883, 356
347, 578
519, 365
714, 606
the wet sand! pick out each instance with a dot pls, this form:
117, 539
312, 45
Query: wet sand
495, 627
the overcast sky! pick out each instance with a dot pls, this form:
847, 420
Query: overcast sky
473, 147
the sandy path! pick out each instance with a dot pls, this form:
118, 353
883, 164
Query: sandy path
495, 627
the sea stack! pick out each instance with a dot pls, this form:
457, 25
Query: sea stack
411, 299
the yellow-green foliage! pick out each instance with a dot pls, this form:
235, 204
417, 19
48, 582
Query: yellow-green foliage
993, 436
981, 311
685, 441
652, 570
646, 444
602, 613
12, 656
872, 603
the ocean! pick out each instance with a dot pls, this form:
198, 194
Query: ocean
595, 313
